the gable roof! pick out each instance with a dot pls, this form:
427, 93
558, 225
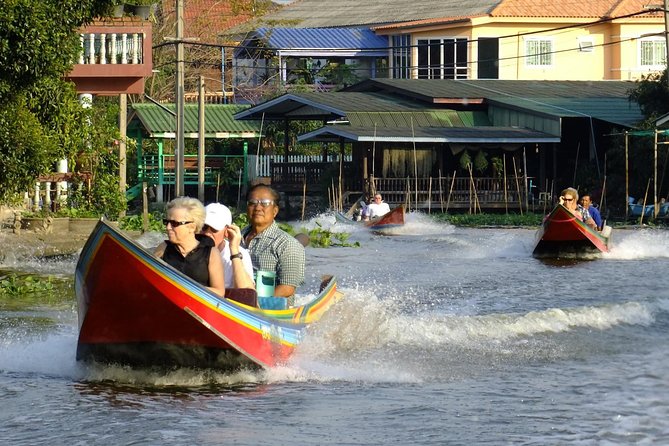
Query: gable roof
344, 42
604, 100
552, 8
327, 106
343, 13
219, 121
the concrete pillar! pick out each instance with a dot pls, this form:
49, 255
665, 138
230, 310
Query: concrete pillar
47, 194
36, 203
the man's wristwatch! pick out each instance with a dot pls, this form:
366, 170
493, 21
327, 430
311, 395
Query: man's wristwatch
236, 256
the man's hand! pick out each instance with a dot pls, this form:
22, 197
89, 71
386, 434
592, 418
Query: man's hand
234, 236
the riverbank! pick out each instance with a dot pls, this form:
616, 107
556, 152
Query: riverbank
35, 244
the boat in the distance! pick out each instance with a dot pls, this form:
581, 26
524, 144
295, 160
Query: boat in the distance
648, 211
384, 224
564, 235
135, 309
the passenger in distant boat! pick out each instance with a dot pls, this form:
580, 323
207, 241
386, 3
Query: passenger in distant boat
378, 207
271, 248
227, 238
569, 199
586, 202
187, 250
364, 210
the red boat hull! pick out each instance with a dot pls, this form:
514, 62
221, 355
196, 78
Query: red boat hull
563, 235
393, 219
134, 309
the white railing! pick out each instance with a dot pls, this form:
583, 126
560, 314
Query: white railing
113, 48
259, 165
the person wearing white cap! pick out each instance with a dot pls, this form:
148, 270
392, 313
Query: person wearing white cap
227, 238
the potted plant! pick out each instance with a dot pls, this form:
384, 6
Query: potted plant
45, 221
118, 8
143, 8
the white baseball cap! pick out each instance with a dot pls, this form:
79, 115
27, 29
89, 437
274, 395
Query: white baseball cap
218, 216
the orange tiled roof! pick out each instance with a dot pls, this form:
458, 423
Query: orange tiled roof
566, 8
631, 6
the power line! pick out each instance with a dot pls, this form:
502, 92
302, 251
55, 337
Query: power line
529, 33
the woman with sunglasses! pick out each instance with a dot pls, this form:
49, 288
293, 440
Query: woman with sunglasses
569, 199
186, 250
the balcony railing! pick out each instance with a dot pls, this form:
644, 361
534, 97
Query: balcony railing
113, 48
115, 57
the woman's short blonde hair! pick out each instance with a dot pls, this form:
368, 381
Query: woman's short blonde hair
193, 206
571, 191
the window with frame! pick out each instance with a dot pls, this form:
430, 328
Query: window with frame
653, 52
586, 45
401, 56
538, 52
442, 58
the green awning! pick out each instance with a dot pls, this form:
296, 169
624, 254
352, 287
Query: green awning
219, 119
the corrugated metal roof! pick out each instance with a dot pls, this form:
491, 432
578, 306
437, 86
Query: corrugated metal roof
605, 100
327, 14
294, 39
219, 121
330, 105
427, 118
471, 135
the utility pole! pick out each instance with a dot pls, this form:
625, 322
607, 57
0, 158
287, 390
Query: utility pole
666, 35
179, 99
200, 140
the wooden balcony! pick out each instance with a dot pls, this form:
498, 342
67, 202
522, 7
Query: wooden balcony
115, 57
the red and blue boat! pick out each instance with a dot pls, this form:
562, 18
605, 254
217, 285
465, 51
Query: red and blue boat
564, 235
135, 309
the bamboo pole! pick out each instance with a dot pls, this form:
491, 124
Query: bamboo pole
407, 198
441, 194
262, 121
515, 174
655, 206
429, 196
578, 149
473, 188
145, 208
304, 196
643, 209
450, 191
415, 161
218, 184
601, 204
602, 201
664, 171
627, 177
506, 196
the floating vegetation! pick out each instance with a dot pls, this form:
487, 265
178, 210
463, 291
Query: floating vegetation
322, 238
24, 290
501, 220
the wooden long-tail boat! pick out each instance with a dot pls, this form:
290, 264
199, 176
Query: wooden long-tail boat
391, 220
135, 309
564, 235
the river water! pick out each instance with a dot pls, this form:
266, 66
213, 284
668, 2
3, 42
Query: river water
446, 336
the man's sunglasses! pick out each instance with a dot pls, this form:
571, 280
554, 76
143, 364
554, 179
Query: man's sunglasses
175, 223
264, 203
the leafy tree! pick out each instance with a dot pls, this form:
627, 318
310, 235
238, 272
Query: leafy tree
40, 118
652, 94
